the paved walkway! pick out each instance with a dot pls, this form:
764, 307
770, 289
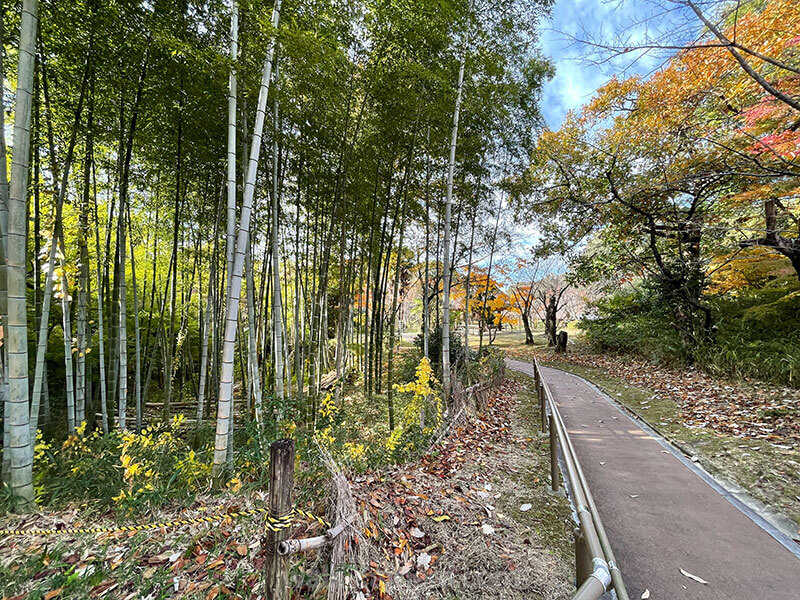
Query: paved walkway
676, 519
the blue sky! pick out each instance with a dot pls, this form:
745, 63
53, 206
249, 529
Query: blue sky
576, 78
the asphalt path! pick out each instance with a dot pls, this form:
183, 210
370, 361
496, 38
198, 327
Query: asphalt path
661, 514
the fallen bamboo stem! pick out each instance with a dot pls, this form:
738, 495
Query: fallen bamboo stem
302, 545
287, 547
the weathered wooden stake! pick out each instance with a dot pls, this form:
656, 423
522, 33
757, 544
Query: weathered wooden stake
555, 482
281, 482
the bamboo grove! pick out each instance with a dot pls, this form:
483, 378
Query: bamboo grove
213, 207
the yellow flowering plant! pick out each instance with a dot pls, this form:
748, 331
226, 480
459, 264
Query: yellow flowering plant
123, 466
410, 427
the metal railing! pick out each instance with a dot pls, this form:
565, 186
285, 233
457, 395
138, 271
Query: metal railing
595, 566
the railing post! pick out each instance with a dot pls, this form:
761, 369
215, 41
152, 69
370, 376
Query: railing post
555, 480
543, 407
583, 558
281, 482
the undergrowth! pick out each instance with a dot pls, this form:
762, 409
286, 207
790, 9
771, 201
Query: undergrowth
757, 332
169, 462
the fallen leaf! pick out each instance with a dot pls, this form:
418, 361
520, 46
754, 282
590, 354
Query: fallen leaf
694, 577
213, 593
487, 529
53, 593
441, 518
241, 550
417, 532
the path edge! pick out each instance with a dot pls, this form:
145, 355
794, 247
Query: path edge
753, 509
734, 494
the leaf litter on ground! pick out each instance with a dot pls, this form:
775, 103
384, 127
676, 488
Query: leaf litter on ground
470, 549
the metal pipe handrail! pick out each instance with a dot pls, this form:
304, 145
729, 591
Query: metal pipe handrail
604, 572
616, 574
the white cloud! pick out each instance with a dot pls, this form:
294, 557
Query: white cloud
577, 78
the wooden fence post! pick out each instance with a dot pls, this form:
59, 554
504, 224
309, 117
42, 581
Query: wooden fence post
281, 482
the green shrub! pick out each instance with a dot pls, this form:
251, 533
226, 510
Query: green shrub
457, 351
122, 469
487, 365
757, 331
632, 322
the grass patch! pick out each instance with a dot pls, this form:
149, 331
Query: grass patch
550, 516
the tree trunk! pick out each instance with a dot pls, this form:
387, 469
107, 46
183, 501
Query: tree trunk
526, 323
551, 312
447, 209
224, 413
20, 446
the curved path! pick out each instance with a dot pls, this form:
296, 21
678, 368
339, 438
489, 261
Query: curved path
661, 515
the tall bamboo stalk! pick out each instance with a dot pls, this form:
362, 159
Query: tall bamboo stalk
207, 325
137, 333
252, 349
451, 165
3, 248
277, 307
66, 326
60, 192
224, 405
20, 447
231, 164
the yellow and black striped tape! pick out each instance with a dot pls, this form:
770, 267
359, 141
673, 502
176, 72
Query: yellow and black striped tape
271, 523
